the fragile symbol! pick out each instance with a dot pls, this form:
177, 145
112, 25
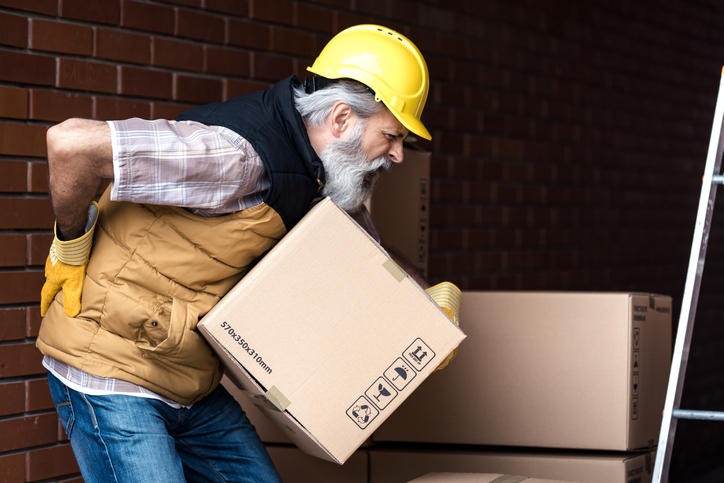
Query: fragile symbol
381, 393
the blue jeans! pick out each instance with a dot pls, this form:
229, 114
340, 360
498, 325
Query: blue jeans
119, 438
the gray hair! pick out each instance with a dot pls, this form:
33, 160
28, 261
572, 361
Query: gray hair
317, 106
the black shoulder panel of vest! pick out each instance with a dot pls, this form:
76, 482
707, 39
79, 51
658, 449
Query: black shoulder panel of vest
269, 121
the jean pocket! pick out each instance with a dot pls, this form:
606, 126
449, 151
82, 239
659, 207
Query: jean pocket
63, 405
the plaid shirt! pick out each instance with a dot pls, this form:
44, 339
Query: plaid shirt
210, 170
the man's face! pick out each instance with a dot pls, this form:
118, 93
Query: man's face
352, 165
384, 136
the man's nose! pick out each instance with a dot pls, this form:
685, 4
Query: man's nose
396, 154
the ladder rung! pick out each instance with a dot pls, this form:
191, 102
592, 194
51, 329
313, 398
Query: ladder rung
717, 179
705, 415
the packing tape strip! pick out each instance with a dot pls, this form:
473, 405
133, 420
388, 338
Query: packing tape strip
275, 396
395, 270
509, 479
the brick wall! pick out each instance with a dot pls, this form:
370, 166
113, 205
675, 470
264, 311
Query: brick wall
568, 146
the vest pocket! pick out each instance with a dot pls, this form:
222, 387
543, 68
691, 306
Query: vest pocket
165, 333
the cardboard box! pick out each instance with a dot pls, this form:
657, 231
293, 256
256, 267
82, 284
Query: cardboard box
400, 207
267, 430
477, 478
545, 369
390, 466
327, 335
294, 466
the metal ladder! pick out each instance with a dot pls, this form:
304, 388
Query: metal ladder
672, 413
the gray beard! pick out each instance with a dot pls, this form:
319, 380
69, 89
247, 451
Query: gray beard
350, 177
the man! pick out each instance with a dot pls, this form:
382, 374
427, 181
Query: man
193, 202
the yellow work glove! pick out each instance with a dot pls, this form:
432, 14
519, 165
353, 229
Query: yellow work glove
66, 266
447, 296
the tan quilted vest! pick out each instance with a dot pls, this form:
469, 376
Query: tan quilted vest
154, 271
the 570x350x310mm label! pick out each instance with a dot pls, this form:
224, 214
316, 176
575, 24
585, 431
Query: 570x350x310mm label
256, 357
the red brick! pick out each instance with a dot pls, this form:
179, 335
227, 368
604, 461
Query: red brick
290, 41
20, 359
13, 102
177, 54
82, 75
376, 7
25, 432
58, 106
51, 462
13, 253
97, 11
38, 247
12, 326
146, 83
14, 176
38, 182
13, 400
14, 31
107, 109
22, 140
123, 46
61, 37
277, 11
236, 88
37, 395
248, 34
233, 7
12, 468
27, 68
49, 7
25, 213
144, 16
315, 18
270, 67
34, 320
345, 20
161, 110
200, 26
227, 62
198, 89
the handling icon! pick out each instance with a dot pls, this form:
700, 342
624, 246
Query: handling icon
419, 354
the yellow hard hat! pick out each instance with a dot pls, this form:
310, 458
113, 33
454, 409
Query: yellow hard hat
386, 62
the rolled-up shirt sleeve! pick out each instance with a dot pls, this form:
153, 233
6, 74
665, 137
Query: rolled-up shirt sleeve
209, 169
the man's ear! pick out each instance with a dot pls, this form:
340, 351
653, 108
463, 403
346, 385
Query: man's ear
341, 119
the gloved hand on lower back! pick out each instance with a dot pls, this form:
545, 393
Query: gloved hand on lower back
66, 266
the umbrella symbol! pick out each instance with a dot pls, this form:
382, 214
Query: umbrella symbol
401, 372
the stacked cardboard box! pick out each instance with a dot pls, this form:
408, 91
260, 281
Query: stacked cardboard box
570, 371
477, 478
400, 208
403, 466
564, 386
